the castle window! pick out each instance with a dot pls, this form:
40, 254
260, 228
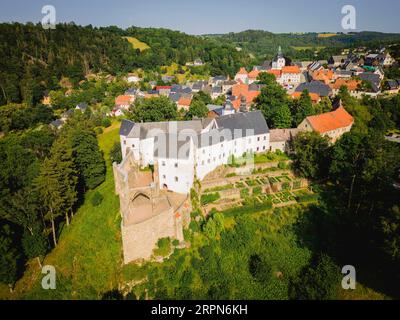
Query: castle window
202, 163
163, 163
176, 179
258, 139
125, 142
164, 177
176, 165
265, 137
133, 146
258, 149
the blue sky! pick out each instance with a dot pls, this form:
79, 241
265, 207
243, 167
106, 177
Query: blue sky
217, 16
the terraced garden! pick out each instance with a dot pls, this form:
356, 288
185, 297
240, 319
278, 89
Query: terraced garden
277, 188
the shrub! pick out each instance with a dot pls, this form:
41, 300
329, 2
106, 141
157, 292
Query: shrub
286, 186
257, 190
106, 122
97, 199
307, 197
116, 153
194, 226
282, 165
317, 282
209, 198
98, 130
163, 247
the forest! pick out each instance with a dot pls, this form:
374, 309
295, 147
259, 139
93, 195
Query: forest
34, 60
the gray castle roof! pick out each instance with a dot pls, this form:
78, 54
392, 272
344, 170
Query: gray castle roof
238, 125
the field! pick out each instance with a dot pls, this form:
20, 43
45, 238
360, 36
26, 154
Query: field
137, 44
327, 35
88, 259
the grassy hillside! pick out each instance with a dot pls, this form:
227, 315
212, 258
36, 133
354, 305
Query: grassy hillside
88, 259
137, 44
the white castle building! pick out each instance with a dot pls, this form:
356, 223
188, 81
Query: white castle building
186, 150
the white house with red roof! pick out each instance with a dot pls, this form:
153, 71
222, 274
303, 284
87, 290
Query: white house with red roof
331, 124
290, 75
242, 76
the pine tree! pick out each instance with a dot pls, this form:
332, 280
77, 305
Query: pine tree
88, 159
57, 184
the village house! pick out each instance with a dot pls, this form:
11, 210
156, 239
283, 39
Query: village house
214, 111
352, 86
83, 106
323, 75
124, 101
184, 103
337, 61
133, 78
282, 139
216, 92
316, 87
290, 75
331, 124
227, 86
242, 76
392, 86
163, 90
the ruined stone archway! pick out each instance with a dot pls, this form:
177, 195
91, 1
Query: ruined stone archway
141, 208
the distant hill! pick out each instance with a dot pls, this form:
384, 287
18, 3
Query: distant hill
264, 43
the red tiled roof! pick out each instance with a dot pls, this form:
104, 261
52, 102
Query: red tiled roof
323, 75
184, 101
329, 121
123, 100
314, 96
254, 74
275, 72
242, 71
291, 69
351, 84
163, 87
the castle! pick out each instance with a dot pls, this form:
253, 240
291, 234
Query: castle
155, 203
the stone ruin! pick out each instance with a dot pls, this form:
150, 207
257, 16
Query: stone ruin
148, 213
